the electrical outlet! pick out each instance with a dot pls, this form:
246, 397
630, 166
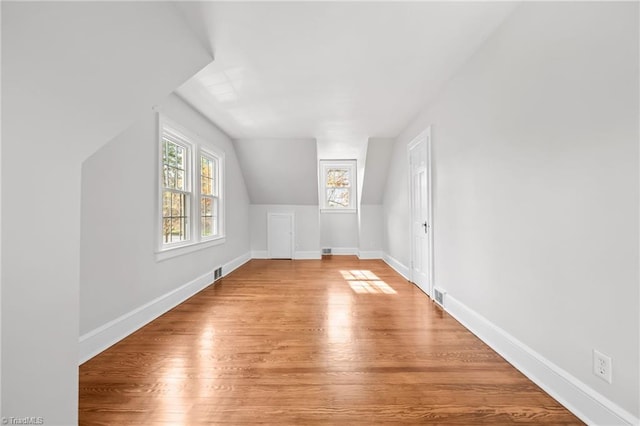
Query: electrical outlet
602, 366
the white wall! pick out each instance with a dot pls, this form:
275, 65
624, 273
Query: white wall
371, 226
535, 143
279, 171
376, 169
0, 212
118, 270
307, 229
371, 213
73, 76
396, 213
339, 231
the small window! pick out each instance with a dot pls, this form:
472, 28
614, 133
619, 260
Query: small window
338, 185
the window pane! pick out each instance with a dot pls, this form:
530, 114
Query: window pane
180, 157
170, 154
164, 151
206, 167
338, 178
208, 216
207, 186
206, 206
166, 173
206, 226
166, 230
178, 204
176, 229
166, 204
180, 181
338, 197
169, 177
207, 170
174, 155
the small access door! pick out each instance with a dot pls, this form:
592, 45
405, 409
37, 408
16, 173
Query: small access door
280, 235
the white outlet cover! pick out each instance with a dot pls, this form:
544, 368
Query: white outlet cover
602, 366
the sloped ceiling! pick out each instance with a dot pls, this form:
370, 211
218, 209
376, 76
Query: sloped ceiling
279, 171
88, 90
333, 71
376, 169
287, 74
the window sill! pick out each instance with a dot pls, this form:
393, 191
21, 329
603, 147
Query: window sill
338, 211
168, 253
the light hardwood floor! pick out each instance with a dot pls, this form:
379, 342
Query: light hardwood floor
337, 341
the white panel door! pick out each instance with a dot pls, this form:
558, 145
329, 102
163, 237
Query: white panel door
280, 235
420, 186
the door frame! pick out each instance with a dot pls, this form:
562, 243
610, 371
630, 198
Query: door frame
270, 215
426, 136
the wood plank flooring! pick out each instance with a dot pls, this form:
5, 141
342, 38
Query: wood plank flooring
337, 341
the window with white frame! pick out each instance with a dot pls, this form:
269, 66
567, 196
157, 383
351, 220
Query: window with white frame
338, 180
191, 185
176, 191
209, 195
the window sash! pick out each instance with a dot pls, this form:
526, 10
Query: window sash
333, 201
211, 178
333, 181
209, 196
180, 172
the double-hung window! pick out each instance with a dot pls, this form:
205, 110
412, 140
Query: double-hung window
191, 192
209, 195
176, 188
338, 180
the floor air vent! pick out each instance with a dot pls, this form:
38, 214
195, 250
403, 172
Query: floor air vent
326, 251
217, 273
438, 296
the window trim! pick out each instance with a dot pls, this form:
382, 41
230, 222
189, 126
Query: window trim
196, 147
343, 164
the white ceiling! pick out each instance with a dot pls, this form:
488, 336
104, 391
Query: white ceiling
337, 72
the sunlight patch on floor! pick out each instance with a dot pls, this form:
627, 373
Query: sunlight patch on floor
366, 282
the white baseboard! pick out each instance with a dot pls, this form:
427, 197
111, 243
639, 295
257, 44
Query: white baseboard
344, 251
370, 254
590, 406
234, 264
399, 267
312, 254
259, 254
101, 338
